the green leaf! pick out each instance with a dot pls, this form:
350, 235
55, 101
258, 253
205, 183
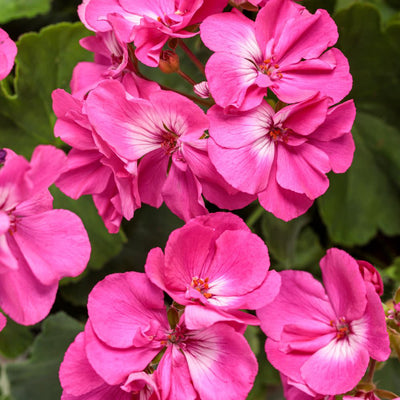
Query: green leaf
104, 245
387, 378
293, 244
374, 57
14, 9
44, 62
37, 378
14, 339
386, 10
366, 198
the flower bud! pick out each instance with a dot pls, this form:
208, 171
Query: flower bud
169, 62
370, 274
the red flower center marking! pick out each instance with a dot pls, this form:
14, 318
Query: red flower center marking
169, 141
279, 134
176, 336
342, 328
270, 68
201, 286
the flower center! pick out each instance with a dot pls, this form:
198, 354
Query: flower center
270, 68
176, 336
201, 286
342, 328
169, 141
279, 134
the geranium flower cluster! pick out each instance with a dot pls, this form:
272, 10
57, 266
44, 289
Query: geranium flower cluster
135, 347
133, 142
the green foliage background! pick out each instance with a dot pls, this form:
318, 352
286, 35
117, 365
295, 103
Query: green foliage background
360, 211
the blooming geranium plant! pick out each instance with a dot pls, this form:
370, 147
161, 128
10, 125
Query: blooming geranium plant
200, 143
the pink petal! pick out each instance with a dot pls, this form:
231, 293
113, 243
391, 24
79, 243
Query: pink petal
77, 376
229, 77
378, 338
54, 244
302, 169
344, 284
306, 37
264, 294
44, 173
272, 18
231, 33
23, 297
200, 317
340, 365
288, 364
85, 174
154, 267
339, 121
174, 377
182, 193
115, 365
239, 266
247, 168
304, 296
128, 126
284, 204
186, 256
340, 151
305, 117
8, 51
221, 363
329, 75
152, 174
126, 310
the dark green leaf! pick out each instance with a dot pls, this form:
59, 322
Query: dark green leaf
37, 378
293, 244
14, 339
44, 62
14, 9
366, 198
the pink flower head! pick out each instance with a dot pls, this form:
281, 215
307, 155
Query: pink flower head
148, 23
322, 338
214, 266
92, 167
38, 245
370, 274
128, 328
283, 50
283, 157
165, 134
8, 51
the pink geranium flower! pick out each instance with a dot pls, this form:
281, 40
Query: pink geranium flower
214, 266
322, 338
128, 327
283, 50
38, 245
283, 156
149, 24
165, 135
8, 51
